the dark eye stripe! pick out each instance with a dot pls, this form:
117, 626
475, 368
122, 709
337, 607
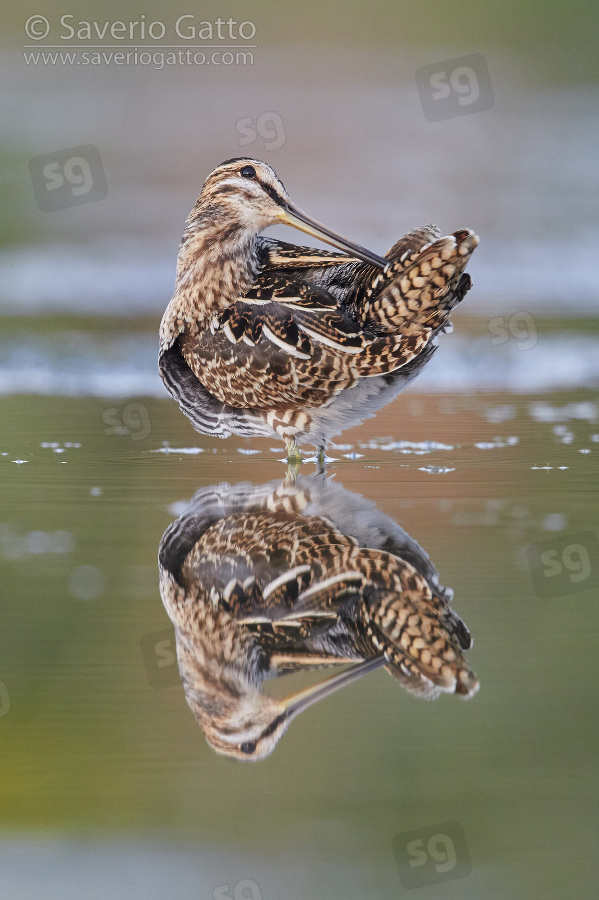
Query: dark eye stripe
272, 193
270, 729
250, 173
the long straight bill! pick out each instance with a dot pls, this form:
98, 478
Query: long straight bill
298, 219
297, 703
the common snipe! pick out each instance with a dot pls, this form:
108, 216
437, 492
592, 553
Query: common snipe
262, 581
264, 336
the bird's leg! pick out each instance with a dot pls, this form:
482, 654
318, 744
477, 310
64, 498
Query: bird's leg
321, 455
291, 475
294, 459
293, 454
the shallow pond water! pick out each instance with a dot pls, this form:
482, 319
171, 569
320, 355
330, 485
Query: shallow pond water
493, 796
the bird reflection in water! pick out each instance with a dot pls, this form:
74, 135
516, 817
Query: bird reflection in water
261, 581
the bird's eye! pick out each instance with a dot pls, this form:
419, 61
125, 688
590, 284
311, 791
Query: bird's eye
248, 172
248, 746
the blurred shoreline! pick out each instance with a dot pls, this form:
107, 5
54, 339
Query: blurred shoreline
513, 355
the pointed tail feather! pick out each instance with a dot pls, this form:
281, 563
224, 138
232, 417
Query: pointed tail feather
420, 288
422, 644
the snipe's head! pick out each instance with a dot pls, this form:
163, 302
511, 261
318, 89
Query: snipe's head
244, 192
248, 729
244, 196
240, 721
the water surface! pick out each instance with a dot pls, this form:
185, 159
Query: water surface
92, 748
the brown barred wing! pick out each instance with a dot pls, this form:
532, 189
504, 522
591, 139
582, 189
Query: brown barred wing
261, 562
284, 344
387, 601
